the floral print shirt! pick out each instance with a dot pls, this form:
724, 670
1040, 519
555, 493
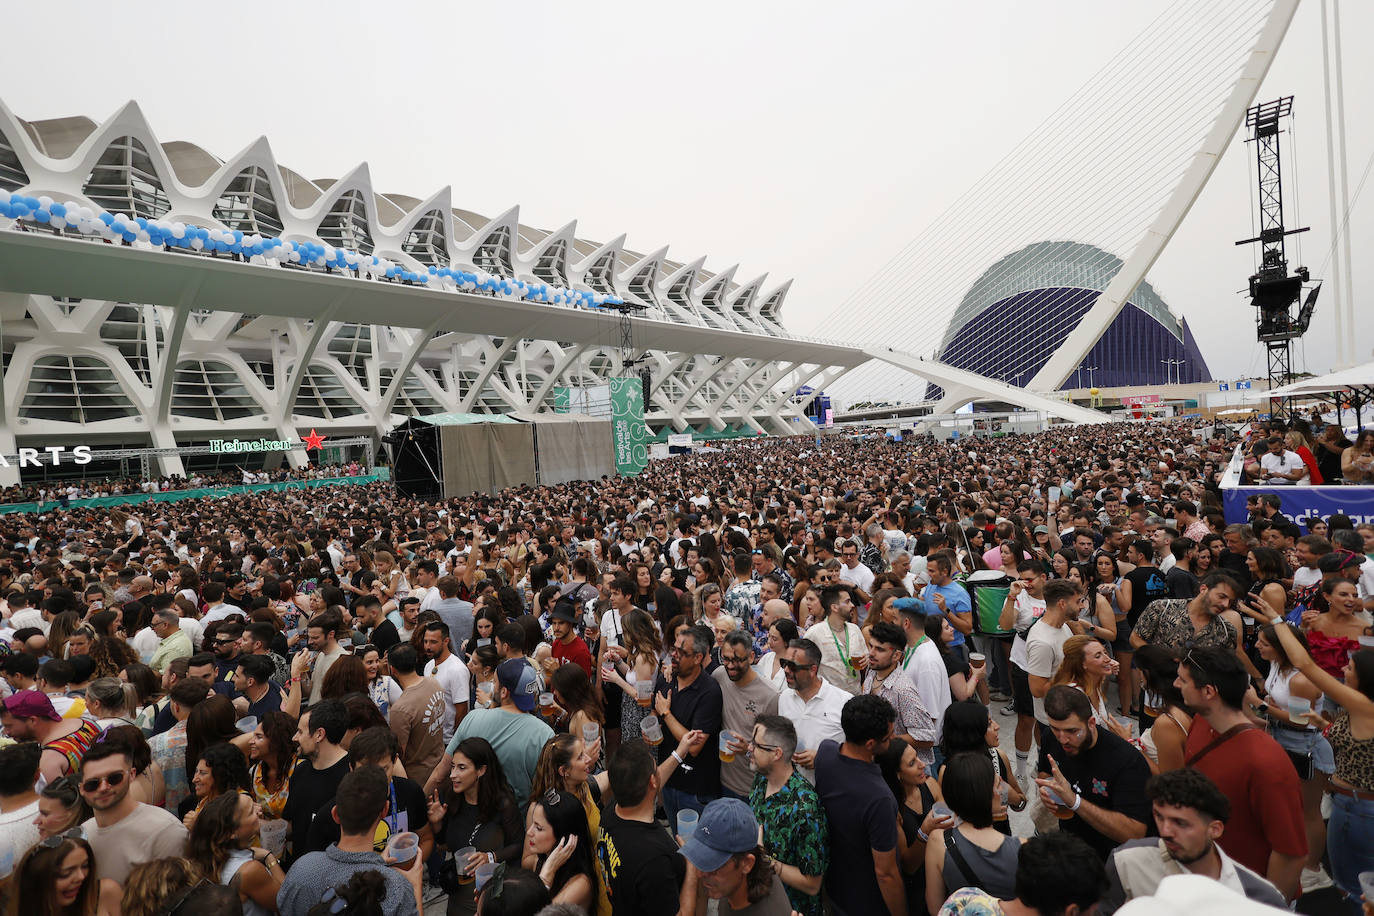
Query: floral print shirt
794, 830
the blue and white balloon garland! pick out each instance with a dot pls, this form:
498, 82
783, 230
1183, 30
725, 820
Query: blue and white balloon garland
271, 251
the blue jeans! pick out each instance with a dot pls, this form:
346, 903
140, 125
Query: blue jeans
726, 793
675, 800
1350, 842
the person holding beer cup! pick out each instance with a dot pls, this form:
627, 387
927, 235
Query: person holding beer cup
844, 653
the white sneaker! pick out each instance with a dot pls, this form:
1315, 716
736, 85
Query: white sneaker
1314, 879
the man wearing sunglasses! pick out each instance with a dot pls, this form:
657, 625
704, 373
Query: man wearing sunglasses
123, 831
812, 703
790, 812
690, 701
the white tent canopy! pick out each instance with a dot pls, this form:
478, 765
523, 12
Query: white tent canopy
1356, 376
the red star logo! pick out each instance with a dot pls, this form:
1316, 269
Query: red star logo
314, 440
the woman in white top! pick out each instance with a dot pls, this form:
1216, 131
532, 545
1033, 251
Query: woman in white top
844, 653
221, 844
780, 633
1299, 736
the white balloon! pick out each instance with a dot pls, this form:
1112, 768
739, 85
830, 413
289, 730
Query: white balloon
57, 222
198, 243
45, 201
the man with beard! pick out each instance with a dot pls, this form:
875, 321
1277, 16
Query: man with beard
690, 701
1091, 779
123, 831
813, 704
1190, 813
449, 671
744, 697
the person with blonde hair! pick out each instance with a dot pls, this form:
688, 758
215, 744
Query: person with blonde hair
152, 885
1087, 666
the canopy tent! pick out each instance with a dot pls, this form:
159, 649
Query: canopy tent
1354, 377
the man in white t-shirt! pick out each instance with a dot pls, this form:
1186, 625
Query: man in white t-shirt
854, 573
451, 673
1045, 641
1024, 605
923, 663
1280, 466
1309, 549
426, 574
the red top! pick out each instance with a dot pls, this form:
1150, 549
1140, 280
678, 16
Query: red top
1310, 460
1254, 772
575, 652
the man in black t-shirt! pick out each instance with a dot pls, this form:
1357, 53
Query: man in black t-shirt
380, 632
1098, 778
690, 701
317, 775
406, 810
638, 861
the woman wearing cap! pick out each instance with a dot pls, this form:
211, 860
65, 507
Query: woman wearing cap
732, 867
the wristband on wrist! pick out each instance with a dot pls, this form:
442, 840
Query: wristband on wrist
925, 837
1077, 800
677, 756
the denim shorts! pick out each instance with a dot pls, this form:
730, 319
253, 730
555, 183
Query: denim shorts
1308, 741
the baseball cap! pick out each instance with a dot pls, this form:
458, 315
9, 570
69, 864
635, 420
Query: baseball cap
31, 704
727, 827
1042, 529
516, 675
1339, 560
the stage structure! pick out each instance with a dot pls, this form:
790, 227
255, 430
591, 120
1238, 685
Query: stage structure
448, 455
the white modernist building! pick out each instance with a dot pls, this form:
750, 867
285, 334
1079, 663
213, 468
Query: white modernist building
324, 305
128, 372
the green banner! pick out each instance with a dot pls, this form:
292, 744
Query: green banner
562, 399
990, 601
629, 436
171, 496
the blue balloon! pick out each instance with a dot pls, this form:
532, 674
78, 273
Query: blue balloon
42, 216
58, 210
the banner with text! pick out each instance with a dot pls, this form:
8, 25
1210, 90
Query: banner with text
630, 437
1303, 504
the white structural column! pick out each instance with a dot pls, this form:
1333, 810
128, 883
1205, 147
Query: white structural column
967, 383
713, 411
286, 398
407, 362
561, 364
1108, 305
494, 356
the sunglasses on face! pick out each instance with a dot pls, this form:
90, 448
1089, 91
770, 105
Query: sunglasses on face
788, 665
110, 779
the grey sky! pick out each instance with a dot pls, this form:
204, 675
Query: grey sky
808, 140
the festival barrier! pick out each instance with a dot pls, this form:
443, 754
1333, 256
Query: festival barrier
171, 496
1302, 504
1297, 504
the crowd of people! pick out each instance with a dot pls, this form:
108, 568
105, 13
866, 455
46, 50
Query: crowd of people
773, 677
65, 490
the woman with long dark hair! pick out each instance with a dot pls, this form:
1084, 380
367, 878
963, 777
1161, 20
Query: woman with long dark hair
970, 729
1300, 737
484, 624
347, 675
1163, 740
916, 793
57, 878
221, 845
970, 786
272, 754
558, 847
476, 811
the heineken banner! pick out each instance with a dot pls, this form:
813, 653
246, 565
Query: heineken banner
629, 436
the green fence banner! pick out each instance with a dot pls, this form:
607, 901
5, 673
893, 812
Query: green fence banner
629, 435
990, 601
171, 496
562, 399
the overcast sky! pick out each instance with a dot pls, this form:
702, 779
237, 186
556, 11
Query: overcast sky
806, 140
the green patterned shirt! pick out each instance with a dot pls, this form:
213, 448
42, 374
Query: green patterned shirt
794, 831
